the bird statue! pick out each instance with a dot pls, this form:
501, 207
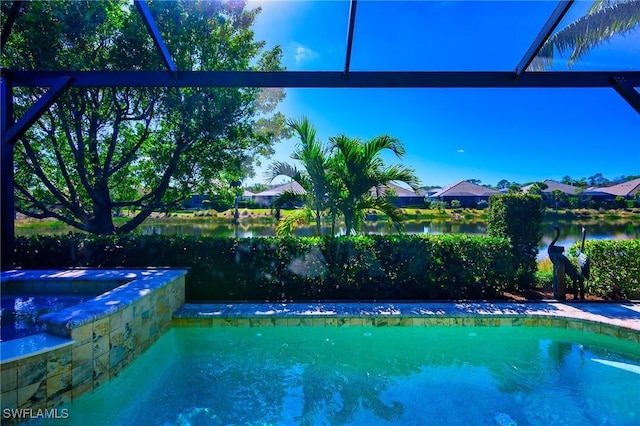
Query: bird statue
583, 259
557, 256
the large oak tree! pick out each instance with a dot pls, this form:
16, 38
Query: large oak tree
98, 151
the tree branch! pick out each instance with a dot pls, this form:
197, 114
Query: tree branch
73, 195
37, 169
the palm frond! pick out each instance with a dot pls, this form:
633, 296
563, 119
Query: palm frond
280, 168
304, 129
384, 205
604, 20
288, 197
288, 224
398, 173
379, 143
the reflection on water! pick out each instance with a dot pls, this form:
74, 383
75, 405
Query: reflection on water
246, 228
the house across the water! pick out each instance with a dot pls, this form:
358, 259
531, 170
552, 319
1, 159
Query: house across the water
467, 193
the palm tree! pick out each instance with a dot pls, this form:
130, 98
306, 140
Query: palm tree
604, 20
358, 168
313, 179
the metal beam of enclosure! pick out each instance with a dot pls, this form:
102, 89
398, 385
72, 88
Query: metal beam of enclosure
627, 91
350, 29
324, 79
156, 36
544, 34
33, 114
7, 198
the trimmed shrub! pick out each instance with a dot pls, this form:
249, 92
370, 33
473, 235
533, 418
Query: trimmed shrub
374, 267
614, 267
518, 217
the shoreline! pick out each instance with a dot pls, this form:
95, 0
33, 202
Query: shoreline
455, 215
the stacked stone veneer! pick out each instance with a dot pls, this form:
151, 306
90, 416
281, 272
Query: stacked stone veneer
621, 320
88, 344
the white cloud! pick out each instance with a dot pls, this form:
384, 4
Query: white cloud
460, 151
304, 54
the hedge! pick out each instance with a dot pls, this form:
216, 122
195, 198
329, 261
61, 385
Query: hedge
614, 266
518, 217
373, 267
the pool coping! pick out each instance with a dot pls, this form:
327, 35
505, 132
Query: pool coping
622, 316
135, 284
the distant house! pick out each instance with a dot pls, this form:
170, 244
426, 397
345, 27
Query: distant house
627, 190
553, 185
196, 200
404, 197
429, 193
266, 198
467, 193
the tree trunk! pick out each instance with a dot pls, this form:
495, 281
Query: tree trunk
101, 221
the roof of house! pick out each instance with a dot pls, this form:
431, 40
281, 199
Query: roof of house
553, 185
400, 191
464, 189
274, 192
629, 188
431, 191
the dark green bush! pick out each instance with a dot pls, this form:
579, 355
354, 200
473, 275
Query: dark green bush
615, 268
518, 217
406, 267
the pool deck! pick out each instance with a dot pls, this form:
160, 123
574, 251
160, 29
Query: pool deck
623, 315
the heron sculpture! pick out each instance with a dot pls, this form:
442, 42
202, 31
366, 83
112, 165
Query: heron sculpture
583, 259
557, 256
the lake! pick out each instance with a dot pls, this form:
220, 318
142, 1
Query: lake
622, 229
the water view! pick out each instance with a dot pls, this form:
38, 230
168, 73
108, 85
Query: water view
623, 229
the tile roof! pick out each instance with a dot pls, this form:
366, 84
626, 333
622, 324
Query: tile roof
292, 186
625, 189
400, 191
465, 189
553, 185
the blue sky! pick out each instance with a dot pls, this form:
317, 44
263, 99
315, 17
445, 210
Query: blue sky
521, 135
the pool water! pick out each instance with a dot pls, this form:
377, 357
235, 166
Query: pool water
373, 376
19, 313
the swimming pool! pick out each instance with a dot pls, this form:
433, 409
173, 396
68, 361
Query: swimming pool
23, 302
19, 313
374, 376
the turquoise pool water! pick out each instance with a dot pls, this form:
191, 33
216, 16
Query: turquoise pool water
19, 313
373, 376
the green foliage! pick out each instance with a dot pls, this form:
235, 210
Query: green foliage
403, 267
358, 168
99, 150
604, 20
614, 267
514, 189
340, 179
439, 205
544, 274
518, 217
314, 179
